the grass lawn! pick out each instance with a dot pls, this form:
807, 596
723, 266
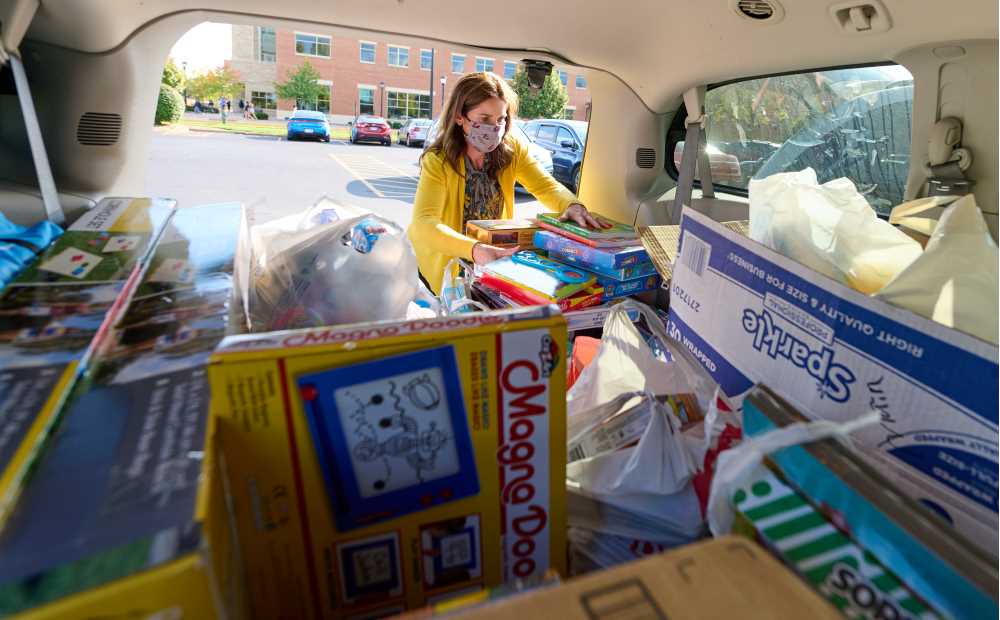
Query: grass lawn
261, 128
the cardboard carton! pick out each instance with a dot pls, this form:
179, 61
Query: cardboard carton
729, 577
376, 467
753, 316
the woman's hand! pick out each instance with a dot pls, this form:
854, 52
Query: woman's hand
483, 254
578, 213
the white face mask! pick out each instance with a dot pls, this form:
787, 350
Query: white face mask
484, 137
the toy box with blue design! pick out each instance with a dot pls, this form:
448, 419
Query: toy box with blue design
381, 466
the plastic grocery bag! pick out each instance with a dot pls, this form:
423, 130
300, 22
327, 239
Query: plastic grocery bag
625, 363
954, 282
745, 462
662, 462
331, 265
829, 228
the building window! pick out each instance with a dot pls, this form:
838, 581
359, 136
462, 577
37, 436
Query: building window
581, 82
263, 100
366, 100
408, 105
484, 64
426, 59
265, 44
569, 111
312, 45
367, 53
458, 63
563, 78
399, 56
509, 69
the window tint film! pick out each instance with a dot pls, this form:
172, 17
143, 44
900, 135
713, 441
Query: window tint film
852, 123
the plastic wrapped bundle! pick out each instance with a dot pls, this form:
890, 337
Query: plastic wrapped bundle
321, 269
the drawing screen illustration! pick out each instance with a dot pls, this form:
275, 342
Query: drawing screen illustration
398, 431
392, 435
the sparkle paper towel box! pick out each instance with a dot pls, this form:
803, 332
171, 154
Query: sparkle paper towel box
753, 316
383, 466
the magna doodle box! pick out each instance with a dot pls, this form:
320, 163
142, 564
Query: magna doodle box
386, 466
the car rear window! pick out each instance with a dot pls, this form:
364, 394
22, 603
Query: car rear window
849, 122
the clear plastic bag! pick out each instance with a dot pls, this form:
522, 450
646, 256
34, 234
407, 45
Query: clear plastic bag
331, 265
954, 282
829, 228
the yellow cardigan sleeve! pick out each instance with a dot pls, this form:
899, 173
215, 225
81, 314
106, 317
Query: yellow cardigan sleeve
551, 193
428, 228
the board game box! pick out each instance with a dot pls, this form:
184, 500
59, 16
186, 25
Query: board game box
503, 233
382, 466
57, 313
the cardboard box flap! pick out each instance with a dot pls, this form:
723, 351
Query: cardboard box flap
726, 577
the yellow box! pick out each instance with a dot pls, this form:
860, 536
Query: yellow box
300, 564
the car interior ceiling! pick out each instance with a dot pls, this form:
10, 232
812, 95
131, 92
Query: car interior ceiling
106, 56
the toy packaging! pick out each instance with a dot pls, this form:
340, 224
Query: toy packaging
873, 552
502, 233
753, 316
638, 270
133, 453
584, 255
539, 276
617, 235
55, 314
385, 466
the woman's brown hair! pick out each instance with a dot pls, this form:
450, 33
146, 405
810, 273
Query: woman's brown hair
470, 91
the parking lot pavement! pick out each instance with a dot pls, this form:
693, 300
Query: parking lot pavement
278, 178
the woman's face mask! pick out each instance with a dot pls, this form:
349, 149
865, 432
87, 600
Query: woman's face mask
484, 137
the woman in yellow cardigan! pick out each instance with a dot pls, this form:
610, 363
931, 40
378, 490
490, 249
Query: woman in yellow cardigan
469, 172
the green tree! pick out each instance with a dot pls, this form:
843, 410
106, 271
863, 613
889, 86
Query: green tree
214, 84
172, 75
301, 86
549, 102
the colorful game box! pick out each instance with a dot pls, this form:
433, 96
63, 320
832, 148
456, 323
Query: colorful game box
149, 532
503, 233
383, 466
55, 315
583, 255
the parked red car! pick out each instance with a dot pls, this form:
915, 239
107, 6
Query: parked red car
371, 129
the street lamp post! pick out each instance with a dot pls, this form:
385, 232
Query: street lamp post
444, 80
184, 68
381, 99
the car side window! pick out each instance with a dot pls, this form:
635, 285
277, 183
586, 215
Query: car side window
547, 133
564, 135
851, 122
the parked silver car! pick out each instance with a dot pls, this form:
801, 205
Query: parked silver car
414, 131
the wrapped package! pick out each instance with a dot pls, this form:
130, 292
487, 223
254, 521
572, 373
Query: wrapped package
331, 265
954, 282
830, 228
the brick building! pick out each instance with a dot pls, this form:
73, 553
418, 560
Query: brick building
368, 75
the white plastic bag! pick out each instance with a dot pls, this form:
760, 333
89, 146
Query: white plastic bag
954, 282
829, 228
662, 462
331, 265
737, 466
455, 291
625, 363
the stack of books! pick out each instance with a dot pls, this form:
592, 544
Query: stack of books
574, 267
614, 256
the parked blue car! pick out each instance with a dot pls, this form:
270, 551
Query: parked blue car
306, 124
565, 141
